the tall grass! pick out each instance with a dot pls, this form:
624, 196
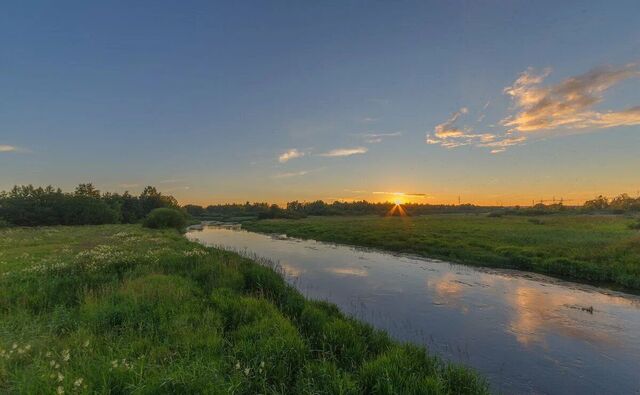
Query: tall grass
121, 309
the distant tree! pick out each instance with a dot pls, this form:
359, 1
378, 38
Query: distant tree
599, 203
165, 217
194, 210
151, 199
87, 190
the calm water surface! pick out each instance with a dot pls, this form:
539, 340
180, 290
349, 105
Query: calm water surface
525, 333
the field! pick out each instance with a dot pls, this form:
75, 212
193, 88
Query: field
600, 249
122, 309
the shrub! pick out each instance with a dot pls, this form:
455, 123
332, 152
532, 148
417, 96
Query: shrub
165, 218
632, 226
4, 224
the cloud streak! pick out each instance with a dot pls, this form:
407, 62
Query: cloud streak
566, 105
569, 103
7, 148
292, 174
290, 154
374, 138
339, 152
448, 135
399, 194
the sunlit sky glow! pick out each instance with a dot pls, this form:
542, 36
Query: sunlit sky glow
503, 102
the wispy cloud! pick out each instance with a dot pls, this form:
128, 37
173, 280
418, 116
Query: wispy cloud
345, 152
291, 174
400, 194
502, 144
368, 119
125, 185
12, 148
290, 154
569, 103
449, 135
536, 108
373, 138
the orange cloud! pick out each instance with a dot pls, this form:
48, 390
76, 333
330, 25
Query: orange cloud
569, 103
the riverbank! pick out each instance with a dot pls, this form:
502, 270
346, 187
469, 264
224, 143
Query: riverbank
599, 249
119, 308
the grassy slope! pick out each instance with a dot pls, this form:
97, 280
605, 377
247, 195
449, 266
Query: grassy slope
121, 309
592, 248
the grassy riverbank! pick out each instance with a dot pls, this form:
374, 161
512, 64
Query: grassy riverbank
591, 248
122, 309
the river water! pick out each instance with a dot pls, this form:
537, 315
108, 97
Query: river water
526, 333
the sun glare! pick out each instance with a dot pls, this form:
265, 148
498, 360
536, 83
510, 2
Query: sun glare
398, 201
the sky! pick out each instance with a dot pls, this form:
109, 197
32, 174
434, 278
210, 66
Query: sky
485, 102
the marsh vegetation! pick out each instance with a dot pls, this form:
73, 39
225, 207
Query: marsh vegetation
594, 248
123, 309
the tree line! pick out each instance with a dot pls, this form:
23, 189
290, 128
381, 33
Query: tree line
617, 205
26, 205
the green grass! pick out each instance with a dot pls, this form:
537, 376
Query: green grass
601, 249
121, 309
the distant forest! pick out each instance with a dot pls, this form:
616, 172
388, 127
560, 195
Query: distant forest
27, 205
618, 205
30, 206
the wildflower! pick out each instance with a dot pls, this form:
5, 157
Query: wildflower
52, 363
27, 347
86, 343
262, 364
14, 346
48, 354
60, 377
237, 365
66, 355
78, 382
246, 371
60, 390
114, 363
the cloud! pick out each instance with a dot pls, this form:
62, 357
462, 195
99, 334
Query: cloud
345, 152
291, 174
400, 194
128, 185
290, 154
448, 135
13, 148
502, 144
373, 138
569, 103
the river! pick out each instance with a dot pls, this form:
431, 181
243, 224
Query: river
526, 333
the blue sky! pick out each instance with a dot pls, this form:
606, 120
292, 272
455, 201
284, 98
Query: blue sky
203, 98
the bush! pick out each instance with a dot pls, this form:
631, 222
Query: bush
4, 224
632, 226
165, 218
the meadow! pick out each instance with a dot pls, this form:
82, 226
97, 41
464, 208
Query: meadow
603, 249
123, 309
